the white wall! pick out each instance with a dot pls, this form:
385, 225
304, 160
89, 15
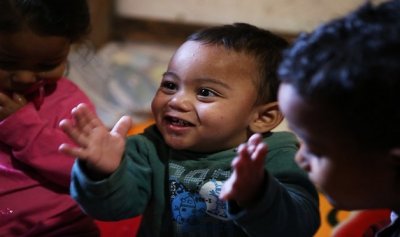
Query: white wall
287, 16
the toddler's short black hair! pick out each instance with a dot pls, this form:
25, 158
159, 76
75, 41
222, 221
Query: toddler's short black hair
266, 47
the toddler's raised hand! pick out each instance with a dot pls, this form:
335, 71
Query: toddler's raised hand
247, 177
100, 148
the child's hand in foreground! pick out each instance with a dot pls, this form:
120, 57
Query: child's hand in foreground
101, 149
247, 178
10, 104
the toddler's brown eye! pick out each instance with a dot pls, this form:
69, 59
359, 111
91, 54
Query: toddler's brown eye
206, 92
168, 85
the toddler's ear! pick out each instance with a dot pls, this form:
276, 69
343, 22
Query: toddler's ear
266, 117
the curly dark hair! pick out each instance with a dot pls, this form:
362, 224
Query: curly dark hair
64, 18
351, 67
265, 46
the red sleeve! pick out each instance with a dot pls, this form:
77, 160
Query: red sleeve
34, 136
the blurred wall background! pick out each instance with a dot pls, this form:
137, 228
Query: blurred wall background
287, 17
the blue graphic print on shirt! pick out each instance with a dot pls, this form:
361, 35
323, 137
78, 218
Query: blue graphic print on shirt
196, 208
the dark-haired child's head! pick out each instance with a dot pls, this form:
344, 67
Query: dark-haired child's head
264, 46
220, 87
65, 18
340, 94
35, 39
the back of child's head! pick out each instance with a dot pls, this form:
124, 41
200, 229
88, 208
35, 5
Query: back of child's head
350, 67
64, 18
264, 46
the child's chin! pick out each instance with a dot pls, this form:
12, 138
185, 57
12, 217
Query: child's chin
177, 146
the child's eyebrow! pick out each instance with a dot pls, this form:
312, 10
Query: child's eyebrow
213, 81
200, 79
170, 74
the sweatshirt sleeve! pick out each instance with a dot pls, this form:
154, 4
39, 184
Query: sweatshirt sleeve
289, 202
33, 136
124, 194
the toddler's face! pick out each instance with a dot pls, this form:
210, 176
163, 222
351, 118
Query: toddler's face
206, 98
350, 177
28, 61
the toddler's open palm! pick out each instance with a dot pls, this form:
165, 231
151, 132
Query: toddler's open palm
247, 178
100, 148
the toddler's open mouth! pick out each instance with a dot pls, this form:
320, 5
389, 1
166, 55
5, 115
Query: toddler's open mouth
178, 122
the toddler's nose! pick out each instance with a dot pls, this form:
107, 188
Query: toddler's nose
23, 77
180, 102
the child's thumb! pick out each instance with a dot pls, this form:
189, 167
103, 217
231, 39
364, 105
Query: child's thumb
122, 126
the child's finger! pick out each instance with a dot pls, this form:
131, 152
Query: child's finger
19, 99
81, 117
235, 161
85, 119
75, 134
259, 155
122, 126
227, 190
253, 141
87, 116
66, 126
239, 150
71, 151
242, 158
